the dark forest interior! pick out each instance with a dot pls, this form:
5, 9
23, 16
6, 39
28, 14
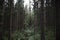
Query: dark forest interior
27, 20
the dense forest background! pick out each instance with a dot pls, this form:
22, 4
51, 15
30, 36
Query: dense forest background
27, 20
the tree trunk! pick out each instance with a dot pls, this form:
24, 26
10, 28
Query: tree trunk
42, 20
2, 20
10, 10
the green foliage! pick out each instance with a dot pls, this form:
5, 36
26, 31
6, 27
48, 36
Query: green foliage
27, 34
50, 33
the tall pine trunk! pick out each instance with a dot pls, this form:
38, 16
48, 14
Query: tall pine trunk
10, 11
2, 9
42, 20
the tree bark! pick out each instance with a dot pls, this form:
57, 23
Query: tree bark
42, 20
2, 19
10, 10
